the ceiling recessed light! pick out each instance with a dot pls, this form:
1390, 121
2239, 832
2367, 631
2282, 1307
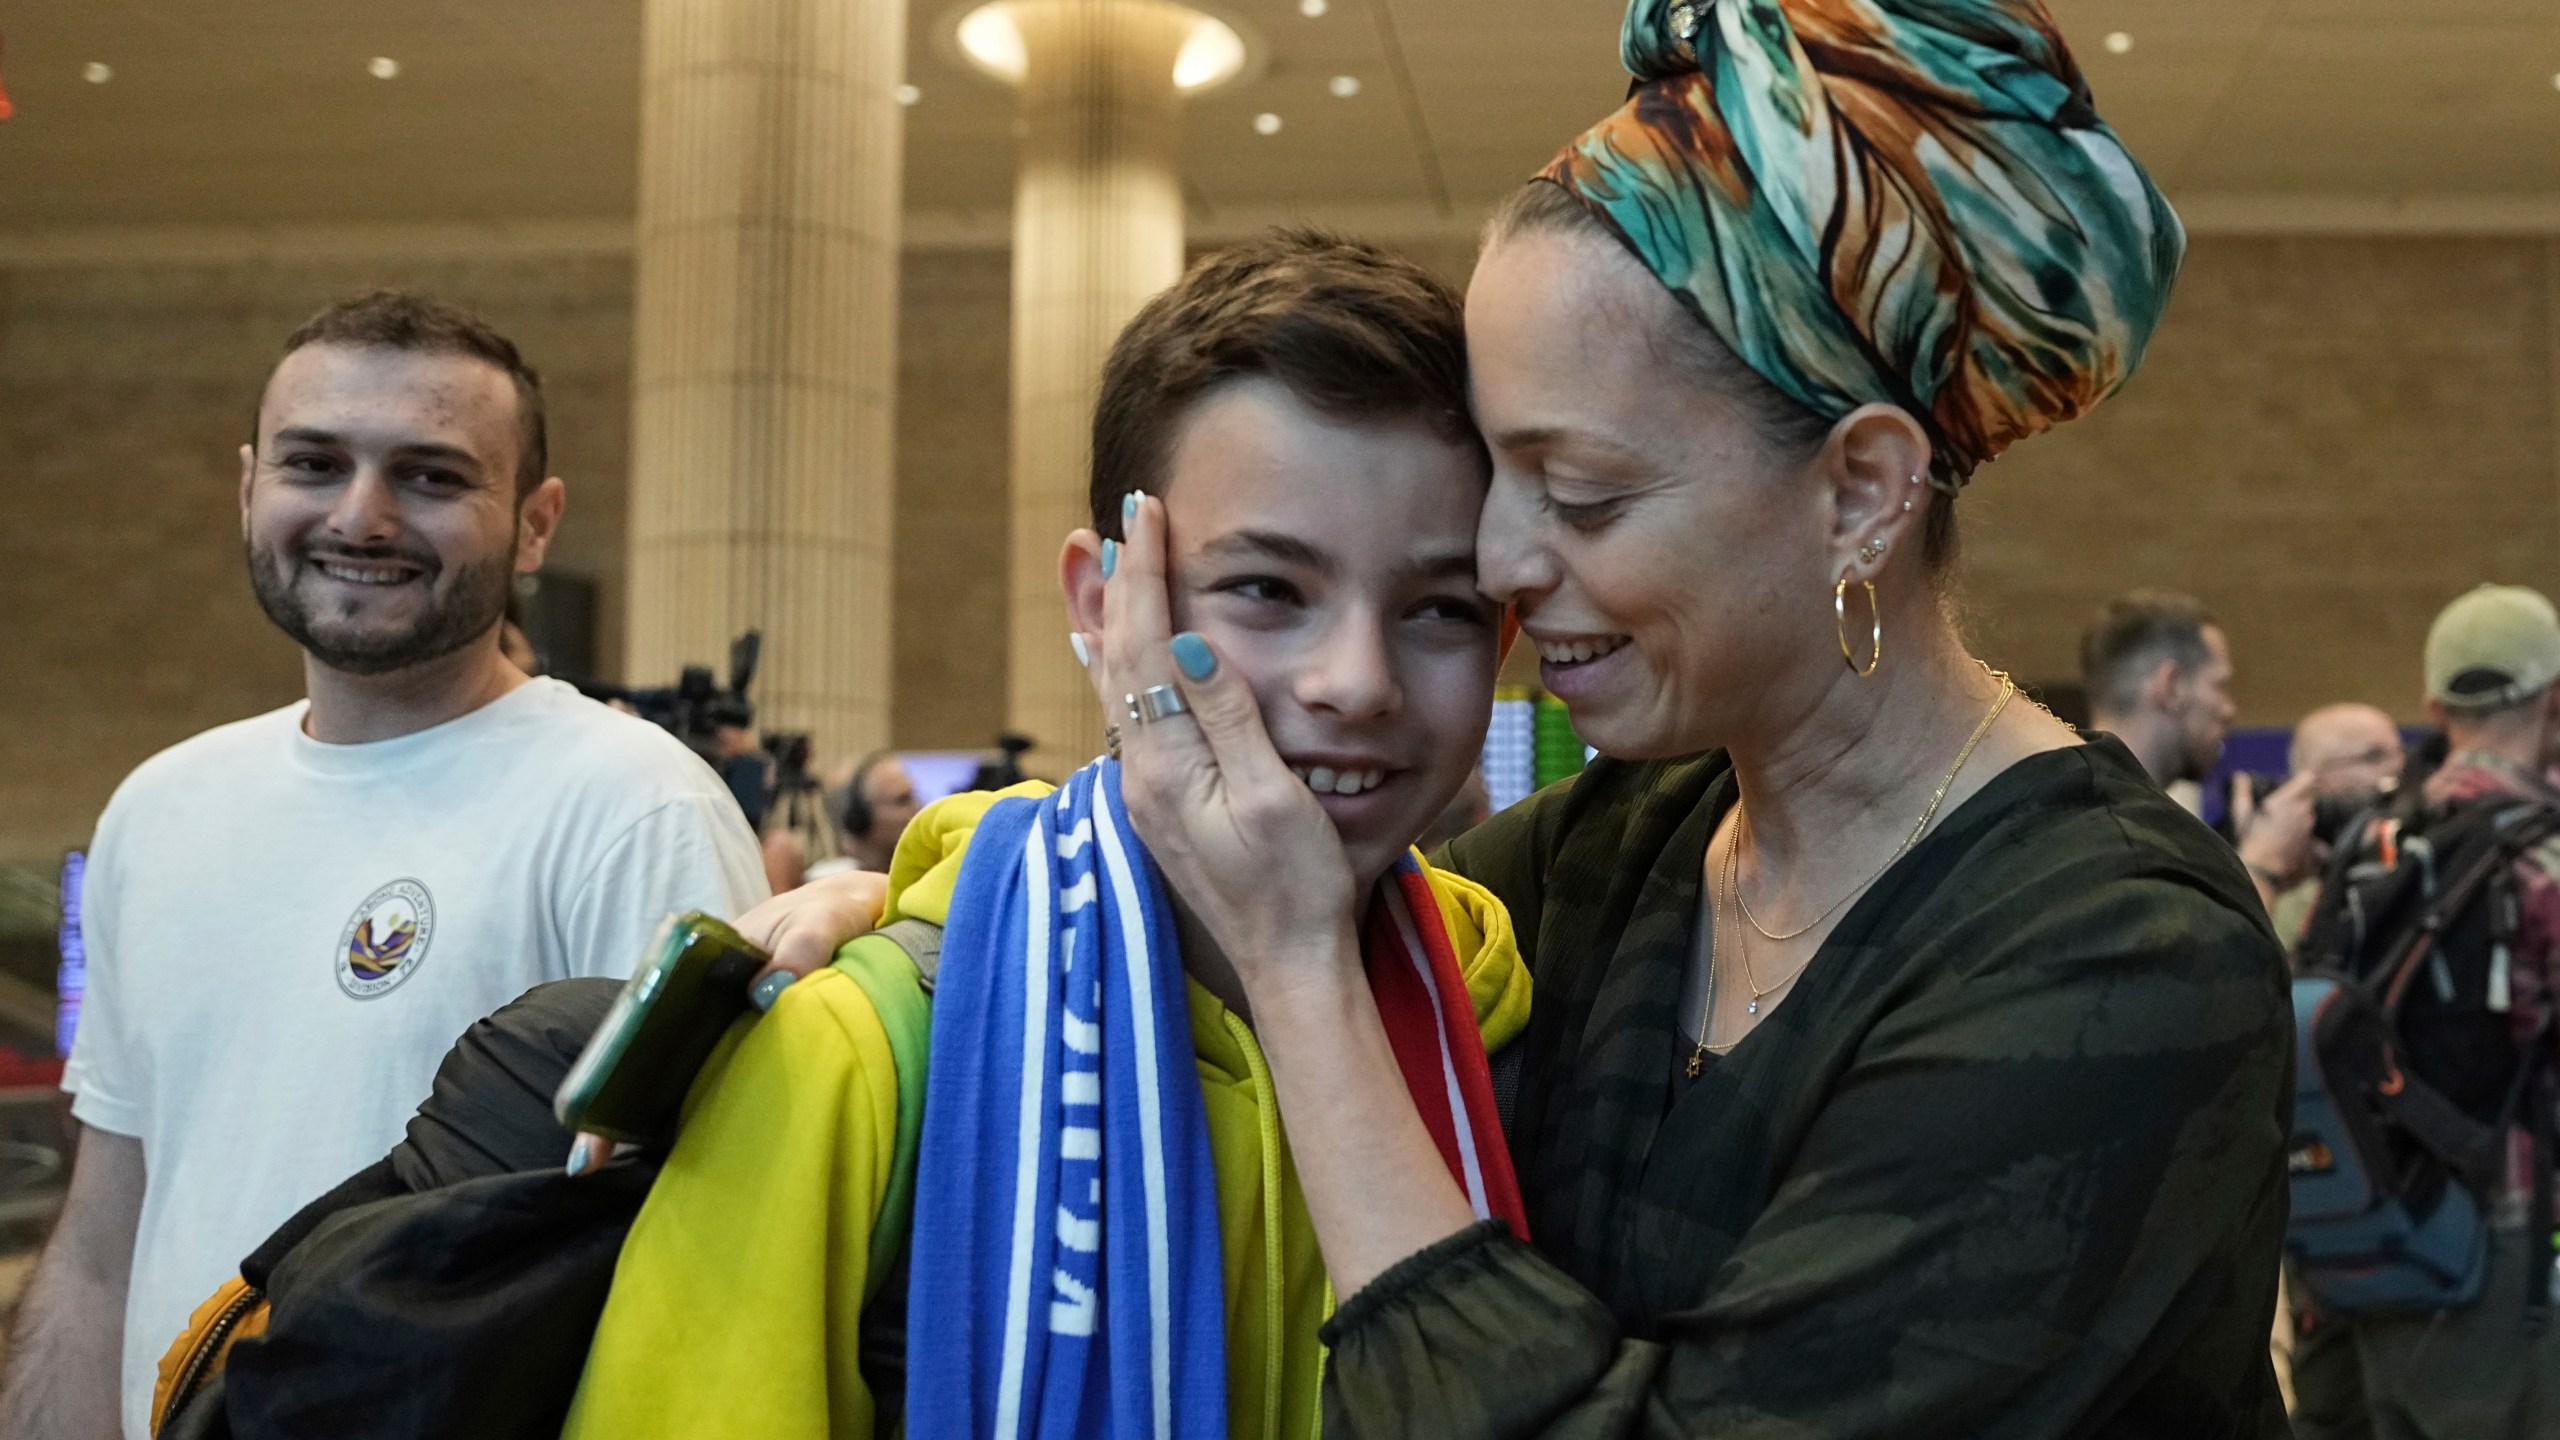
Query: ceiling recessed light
1266, 123
1344, 86
382, 67
97, 72
2555, 82
908, 94
1313, 9
1211, 55
2119, 43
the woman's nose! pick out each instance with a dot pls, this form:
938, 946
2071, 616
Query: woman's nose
1510, 562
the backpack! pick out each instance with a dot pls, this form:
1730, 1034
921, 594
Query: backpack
518, 1256
2409, 1073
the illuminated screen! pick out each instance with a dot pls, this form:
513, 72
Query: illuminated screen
937, 773
73, 977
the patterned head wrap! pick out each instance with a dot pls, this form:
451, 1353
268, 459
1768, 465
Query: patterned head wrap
1907, 202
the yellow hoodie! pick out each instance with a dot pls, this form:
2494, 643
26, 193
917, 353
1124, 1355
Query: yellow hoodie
736, 1306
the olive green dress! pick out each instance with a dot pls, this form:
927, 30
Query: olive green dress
2008, 1162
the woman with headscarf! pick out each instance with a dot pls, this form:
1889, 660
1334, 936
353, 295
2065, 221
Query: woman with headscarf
1903, 1064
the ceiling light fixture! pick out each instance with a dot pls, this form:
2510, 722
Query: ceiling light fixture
97, 72
1212, 55
1266, 123
1344, 86
382, 67
908, 94
1313, 9
2119, 43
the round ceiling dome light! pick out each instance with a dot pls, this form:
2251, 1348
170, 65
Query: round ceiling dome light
97, 72
1344, 86
1211, 55
1266, 123
382, 67
2119, 43
1313, 9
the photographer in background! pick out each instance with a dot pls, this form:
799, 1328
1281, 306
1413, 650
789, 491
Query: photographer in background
289, 918
2345, 759
2158, 672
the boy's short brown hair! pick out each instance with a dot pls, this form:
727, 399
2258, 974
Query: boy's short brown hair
399, 320
1352, 331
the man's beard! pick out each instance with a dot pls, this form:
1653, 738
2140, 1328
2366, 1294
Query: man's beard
2203, 752
468, 609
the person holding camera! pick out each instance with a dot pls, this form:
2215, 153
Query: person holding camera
289, 918
2345, 759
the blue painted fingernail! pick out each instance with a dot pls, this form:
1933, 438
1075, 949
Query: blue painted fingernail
1110, 557
770, 988
1129, 506
582, 1153
1192, 654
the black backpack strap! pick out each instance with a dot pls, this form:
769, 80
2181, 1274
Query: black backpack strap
1506, 1064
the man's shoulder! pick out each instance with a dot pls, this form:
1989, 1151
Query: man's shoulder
220, 752
583, 743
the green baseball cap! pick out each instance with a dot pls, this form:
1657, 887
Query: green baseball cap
2492, 648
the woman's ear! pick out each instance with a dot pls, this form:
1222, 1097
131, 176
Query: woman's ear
1877, 463
1080, 579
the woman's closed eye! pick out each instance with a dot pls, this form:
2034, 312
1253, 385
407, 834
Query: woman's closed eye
1583, 515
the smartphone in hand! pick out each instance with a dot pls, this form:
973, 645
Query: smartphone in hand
630, 1081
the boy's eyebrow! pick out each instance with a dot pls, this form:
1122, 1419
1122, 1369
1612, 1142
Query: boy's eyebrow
1271, 545
1445, 565
1290, 550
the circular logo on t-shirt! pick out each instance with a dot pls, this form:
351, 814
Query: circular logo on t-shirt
385, 939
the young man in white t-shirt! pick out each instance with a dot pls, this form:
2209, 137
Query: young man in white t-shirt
290, 918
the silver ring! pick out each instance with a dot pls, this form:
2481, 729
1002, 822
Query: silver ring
1156, 702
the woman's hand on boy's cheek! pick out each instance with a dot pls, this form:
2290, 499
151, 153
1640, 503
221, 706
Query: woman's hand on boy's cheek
802, 929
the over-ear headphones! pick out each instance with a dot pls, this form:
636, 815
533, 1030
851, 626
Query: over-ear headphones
857, 802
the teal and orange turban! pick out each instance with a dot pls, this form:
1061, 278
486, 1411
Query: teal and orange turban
1907, 202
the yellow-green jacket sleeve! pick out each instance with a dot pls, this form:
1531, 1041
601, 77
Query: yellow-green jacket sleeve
737, 1304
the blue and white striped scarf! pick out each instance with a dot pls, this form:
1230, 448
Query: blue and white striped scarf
1065, 1280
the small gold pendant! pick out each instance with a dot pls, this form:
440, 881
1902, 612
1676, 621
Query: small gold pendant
1697, 1061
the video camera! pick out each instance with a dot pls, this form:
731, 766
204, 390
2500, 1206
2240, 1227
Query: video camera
697, 707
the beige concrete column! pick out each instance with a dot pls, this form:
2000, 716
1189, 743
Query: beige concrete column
1097, 229
764, 361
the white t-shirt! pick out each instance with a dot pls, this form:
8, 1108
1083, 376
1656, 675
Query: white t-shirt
285, 937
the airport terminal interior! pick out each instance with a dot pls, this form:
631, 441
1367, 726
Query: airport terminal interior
819, 290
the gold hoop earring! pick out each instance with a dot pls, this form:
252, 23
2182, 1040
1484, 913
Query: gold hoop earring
1840, 615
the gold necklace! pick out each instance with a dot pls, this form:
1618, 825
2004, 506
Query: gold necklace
1735, 902
2008, 687
1707, 1016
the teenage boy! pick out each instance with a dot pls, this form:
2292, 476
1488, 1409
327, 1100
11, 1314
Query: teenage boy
289, 918
1298, 405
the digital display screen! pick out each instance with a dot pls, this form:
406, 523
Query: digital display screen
936, 773
73, 977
